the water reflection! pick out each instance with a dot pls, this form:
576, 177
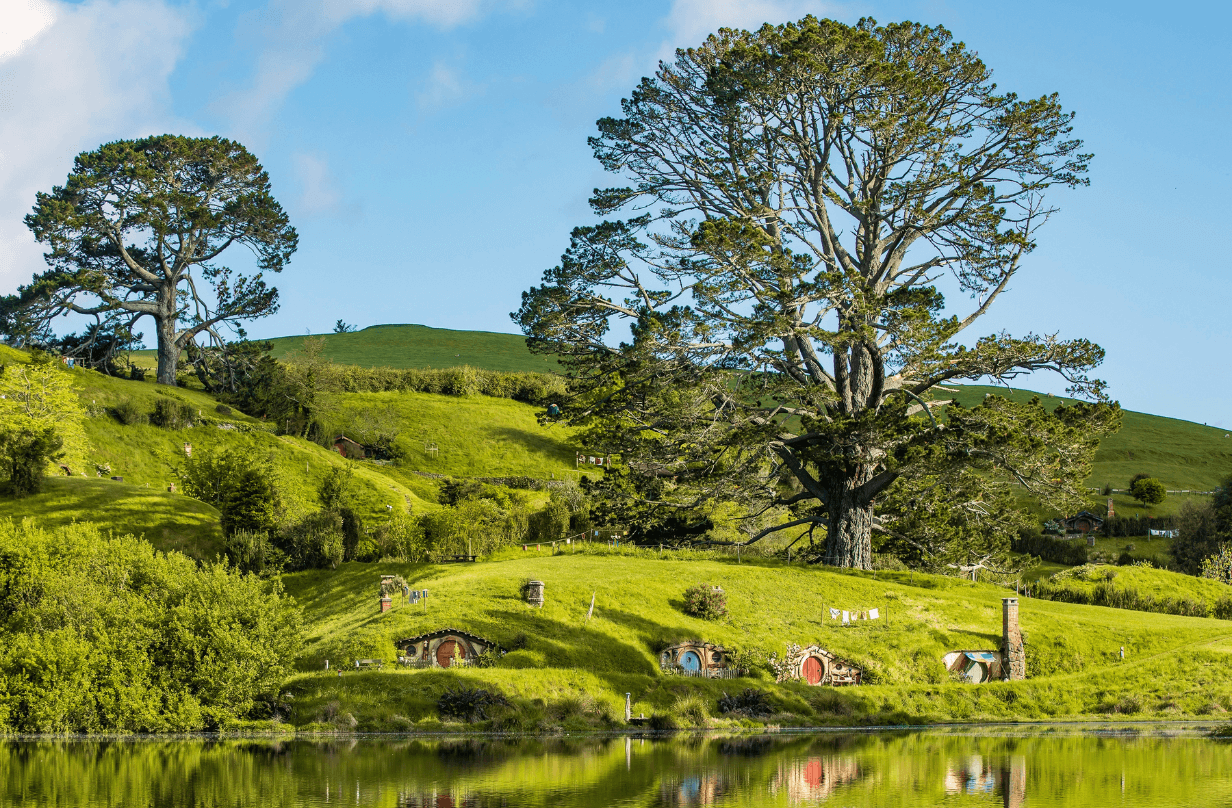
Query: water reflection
898, 769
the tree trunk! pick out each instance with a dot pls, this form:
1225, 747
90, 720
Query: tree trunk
168, 350
849, 539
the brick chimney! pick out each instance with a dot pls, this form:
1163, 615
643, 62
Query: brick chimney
1013, 656
1111, 508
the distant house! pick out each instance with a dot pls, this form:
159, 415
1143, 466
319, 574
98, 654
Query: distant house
1083, 522
348, 448
443, 648
696, 658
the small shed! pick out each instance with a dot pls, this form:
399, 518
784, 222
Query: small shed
443, 648
352, 450
696, 658
1083, 522
817, 666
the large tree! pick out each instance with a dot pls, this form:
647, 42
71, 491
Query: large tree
796, 196
138, 230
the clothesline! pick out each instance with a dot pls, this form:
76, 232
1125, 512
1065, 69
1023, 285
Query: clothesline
849, 617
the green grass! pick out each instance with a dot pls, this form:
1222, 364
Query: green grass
168, 521
1156, 583
413, 346
1175, 665
476, 436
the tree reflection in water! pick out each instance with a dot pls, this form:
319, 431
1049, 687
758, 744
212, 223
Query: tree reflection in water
910, 770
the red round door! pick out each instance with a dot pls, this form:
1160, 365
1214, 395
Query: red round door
813, 670
445, 653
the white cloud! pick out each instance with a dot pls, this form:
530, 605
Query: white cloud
294, 35
72, 77
24, 20
318, 189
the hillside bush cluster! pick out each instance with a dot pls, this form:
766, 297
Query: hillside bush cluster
104, 634
40, 423
168, 413
1106, 593
528, 387
705, 601
1203, 530
1058, 551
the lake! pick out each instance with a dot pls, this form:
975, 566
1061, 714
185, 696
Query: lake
972, 767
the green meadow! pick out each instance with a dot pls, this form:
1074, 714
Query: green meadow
570, 672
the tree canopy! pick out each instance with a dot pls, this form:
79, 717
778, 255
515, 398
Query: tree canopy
139, 229
795, 199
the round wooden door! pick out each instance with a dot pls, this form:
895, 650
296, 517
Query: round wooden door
690, 661
813, 670
445, 653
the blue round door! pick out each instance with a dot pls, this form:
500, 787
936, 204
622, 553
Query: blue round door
690, 661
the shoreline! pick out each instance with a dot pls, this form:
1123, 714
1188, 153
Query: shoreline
1142, 728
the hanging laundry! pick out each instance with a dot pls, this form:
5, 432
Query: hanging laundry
873, 614
846, 618
834, 614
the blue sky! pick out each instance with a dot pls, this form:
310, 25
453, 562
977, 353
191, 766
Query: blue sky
433, 154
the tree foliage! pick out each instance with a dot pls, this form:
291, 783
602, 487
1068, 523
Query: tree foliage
138, 230
40, 421
1202, 529
243, 488
796, 199
1148, 491
103, 634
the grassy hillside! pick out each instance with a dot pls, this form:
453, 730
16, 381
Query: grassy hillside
572, 672
413, 346
168, 521
475, 436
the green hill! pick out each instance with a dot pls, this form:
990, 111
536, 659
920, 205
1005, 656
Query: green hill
571, 672
414, 346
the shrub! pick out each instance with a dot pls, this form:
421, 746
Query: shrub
750, 702
1148, 491
1050, 549
243, 488
705, 601
250, 551
133, 640
24, 455
172, 414
661, 723
691, 710
128, 413
222, 409
314, 542
469, 704
1219, 566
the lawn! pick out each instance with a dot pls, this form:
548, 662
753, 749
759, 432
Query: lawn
1175, 665
168, 521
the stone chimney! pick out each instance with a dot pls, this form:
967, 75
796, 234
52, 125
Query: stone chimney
1111, 508
1013, 656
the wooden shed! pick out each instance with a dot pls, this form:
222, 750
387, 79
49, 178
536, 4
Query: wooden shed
352, 450
443, 648
1083, 522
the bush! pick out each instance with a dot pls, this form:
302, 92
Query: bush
1148, 491
469, 704
705, 601
314, 542
222, 409
251, 551
128, 639
172, 414
24, 455
751, 702
1058, 551
691, 710
128, 413
243, 488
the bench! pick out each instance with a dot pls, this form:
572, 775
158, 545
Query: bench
369, 663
